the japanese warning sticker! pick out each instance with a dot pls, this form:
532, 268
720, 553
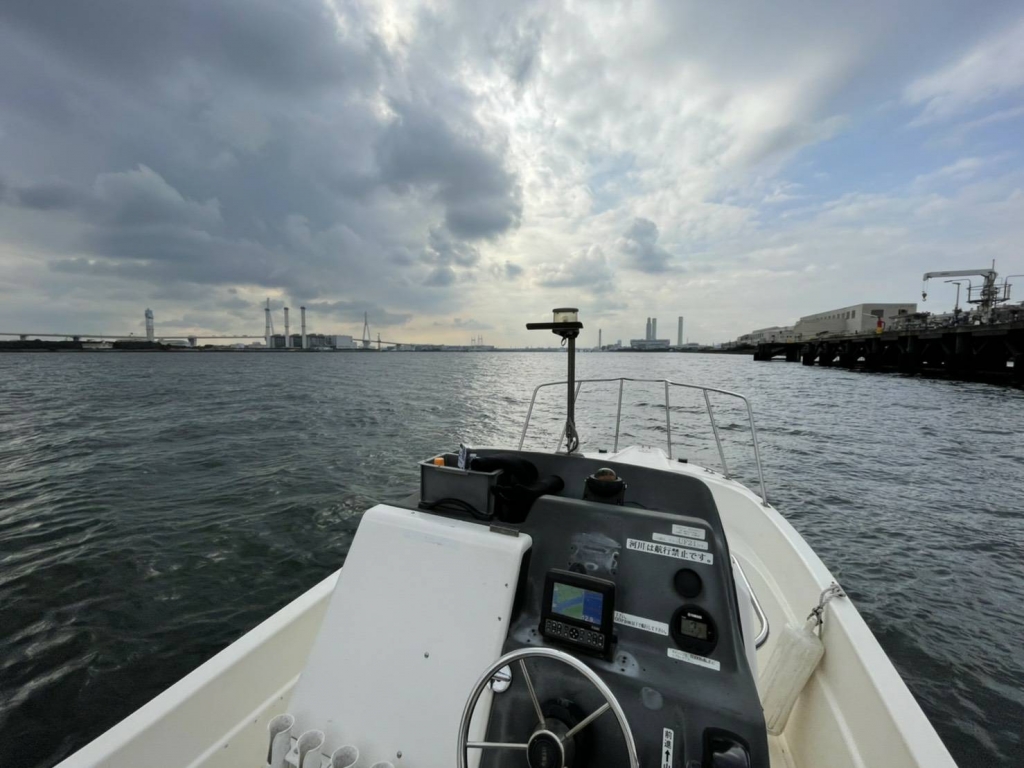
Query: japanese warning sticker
666, 550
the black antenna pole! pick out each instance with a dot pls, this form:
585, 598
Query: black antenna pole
567, 325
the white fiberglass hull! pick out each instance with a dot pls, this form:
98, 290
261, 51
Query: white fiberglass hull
854, 712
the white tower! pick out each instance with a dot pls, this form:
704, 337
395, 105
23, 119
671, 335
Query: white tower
287, 337
679, 336
302, 312
150, 331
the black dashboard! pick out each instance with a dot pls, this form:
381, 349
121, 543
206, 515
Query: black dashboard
641, 591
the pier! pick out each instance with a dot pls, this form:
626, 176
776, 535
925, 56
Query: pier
967, 352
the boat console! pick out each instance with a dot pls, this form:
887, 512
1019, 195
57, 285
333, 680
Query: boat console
560, 610
640, 591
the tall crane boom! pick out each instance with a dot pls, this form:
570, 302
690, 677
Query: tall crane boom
989, 293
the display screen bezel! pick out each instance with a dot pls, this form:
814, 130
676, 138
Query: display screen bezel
703, 646
603, 587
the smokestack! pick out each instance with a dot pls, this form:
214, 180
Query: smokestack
302, 310
679, 340
287, 337
266, 316
654, 328
598, 338
647, 334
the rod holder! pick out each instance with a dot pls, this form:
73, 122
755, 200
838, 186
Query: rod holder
309, 743
280, 742
345, 757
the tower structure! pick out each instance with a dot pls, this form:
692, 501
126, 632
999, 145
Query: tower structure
150, 331
366, 331
302, 314
679, 336
287, 337
654, 328
598, 338
647, 333
268, 330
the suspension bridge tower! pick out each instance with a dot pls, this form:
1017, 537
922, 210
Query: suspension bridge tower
367, 339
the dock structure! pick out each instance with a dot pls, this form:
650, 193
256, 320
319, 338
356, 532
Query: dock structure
970, 351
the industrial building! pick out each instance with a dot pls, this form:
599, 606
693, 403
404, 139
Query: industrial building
650, 340
313, 341
858, 318
761, 335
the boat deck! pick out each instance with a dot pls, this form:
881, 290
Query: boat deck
778, 752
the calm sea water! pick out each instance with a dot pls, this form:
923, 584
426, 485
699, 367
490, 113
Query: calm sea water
153, 508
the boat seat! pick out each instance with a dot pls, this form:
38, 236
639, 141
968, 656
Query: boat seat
421, 608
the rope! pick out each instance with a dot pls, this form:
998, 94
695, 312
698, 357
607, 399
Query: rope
831, 591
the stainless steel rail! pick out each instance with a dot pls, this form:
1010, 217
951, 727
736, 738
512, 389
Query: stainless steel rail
762, 634
668, 420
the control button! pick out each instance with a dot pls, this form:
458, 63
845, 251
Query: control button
688, 582
576, 635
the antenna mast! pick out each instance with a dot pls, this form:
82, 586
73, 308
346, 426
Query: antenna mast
567, 325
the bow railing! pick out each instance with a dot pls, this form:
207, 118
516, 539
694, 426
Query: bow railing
668, 385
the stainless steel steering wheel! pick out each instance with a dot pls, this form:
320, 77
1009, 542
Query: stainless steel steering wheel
554, 740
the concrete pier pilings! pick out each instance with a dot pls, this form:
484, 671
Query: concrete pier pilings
968, 352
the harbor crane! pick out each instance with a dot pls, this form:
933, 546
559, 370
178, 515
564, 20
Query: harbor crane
987, 295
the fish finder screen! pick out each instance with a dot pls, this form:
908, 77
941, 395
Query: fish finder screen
577, 603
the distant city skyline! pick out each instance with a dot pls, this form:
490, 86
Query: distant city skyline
457, 170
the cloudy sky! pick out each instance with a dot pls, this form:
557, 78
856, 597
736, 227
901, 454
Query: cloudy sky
460, 168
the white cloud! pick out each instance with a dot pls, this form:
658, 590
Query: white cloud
587, 269
993, 68
388, 155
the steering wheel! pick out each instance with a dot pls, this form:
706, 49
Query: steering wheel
551, 740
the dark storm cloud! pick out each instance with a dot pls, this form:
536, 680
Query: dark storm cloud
465, 323
586, 269
481, 198
640, 244
517, 46
48, 196
279, 46
352, 312
443, 249
512, 270
243, 142
441, 277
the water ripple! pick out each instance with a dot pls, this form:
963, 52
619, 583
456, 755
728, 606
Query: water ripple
153, 508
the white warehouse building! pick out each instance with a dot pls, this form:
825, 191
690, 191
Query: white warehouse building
859, 318
762, 335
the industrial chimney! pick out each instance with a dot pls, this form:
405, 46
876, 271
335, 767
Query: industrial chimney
302, 310
287, 336
679, 338
266, 315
